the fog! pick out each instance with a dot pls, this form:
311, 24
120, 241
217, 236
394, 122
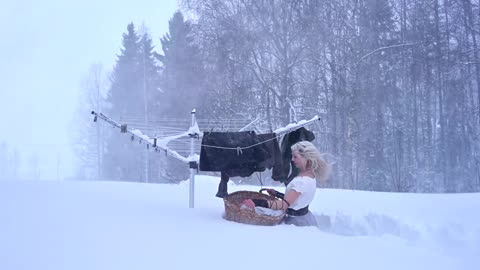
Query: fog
46, 49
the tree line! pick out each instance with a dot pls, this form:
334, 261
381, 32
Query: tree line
395, 83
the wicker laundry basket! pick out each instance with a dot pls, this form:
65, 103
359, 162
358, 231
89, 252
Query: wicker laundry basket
234, 212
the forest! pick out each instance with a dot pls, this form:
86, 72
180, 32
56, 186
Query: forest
395, 84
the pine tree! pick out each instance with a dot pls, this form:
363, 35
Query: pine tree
150, 79
125, 84
153, 100
126, 104
181, 79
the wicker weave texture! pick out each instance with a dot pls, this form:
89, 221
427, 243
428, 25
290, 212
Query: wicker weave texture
234, 212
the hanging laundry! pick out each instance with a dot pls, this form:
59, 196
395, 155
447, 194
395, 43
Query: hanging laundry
284, 171
238, 154
242, 152
267, 142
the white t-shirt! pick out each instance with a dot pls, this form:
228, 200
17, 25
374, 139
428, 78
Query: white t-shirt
307, 186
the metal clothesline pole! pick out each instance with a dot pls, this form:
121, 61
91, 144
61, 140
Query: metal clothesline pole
193, 164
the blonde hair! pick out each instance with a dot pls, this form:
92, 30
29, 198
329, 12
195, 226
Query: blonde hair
320, 167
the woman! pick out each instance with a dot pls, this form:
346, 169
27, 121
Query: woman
301, 190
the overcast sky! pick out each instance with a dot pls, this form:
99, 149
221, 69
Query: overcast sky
46, 49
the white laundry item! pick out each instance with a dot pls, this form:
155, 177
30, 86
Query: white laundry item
268, 211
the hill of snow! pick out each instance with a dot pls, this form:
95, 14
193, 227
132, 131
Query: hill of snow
117, 225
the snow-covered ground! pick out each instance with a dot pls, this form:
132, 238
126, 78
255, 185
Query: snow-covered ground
117, 225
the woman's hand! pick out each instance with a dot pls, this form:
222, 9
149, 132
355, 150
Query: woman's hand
271, 191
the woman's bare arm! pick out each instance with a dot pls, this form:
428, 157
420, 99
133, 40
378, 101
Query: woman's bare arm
290, 197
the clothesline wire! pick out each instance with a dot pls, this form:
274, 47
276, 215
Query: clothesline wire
238, 148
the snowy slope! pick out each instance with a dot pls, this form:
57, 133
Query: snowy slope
115, 225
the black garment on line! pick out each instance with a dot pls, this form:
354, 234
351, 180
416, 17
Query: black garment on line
240, 159
268, 155
285, 170
233, 162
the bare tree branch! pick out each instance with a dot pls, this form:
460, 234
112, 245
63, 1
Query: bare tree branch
385, 48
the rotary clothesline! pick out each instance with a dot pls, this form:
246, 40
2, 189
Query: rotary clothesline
155, 143
193, 132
